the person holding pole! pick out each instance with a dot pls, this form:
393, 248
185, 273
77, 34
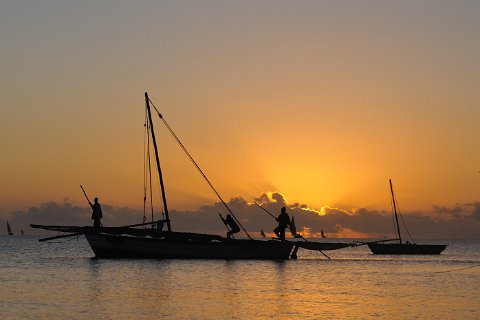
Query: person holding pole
96, 213
283, 223
96, 210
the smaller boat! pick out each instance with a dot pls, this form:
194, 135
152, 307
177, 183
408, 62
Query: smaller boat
400, 247
9, 230
322, 234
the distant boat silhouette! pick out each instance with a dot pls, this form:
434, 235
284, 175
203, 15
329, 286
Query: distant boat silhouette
380, 247
21, 232
9, 230
322, 234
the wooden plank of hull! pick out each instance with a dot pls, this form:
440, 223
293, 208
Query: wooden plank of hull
396, 248
108, 246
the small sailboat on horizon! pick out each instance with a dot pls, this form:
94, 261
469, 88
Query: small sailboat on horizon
9, 230
401, 247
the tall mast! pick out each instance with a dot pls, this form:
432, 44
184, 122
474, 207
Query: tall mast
147, 100
395, 210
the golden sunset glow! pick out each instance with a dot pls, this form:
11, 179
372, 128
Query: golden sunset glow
240, 159
324, 111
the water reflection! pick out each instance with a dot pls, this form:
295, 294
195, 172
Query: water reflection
94, 286
62, 281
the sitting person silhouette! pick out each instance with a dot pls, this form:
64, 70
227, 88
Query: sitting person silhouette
231, 224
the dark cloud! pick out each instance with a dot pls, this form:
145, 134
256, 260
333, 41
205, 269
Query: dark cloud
460, 221
465, 211
476, 210
457, 211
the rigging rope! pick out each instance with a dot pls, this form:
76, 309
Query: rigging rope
393, 217
148, 171
401, 217
403, 222
145, 137
198, 168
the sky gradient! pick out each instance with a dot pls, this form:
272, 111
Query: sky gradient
321, 101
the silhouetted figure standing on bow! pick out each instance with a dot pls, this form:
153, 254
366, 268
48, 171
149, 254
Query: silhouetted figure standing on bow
283, 223
231, 224
96, 213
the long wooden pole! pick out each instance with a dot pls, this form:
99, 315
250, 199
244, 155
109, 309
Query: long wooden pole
85, 194
265, 210
164, 198
395, 210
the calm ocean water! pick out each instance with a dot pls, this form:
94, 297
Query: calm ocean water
63, 281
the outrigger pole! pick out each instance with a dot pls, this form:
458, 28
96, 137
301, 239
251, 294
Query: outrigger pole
164, 198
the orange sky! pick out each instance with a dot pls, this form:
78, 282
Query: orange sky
321, 101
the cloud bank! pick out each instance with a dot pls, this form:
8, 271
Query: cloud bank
459, 222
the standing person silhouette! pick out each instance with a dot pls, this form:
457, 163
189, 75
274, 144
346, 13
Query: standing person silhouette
283, 223
96, 213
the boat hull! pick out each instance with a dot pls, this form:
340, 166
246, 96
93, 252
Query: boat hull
115, 246
397, 248
322, 246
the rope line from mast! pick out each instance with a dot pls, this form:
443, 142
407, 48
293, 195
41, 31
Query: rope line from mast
145, 171
149, 170
405, 226
393, 218
198, 168
403, 221
148, 173
394, 204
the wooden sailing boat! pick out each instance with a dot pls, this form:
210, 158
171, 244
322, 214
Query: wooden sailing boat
155, 242
9, 230
401, 247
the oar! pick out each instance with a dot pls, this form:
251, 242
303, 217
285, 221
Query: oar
61, 236
276, 219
